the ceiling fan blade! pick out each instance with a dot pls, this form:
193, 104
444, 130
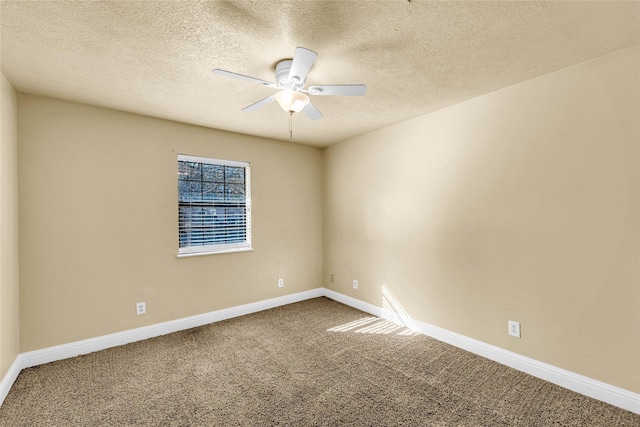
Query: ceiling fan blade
343, 90
312, 112
243, 77
255, 106
303, 60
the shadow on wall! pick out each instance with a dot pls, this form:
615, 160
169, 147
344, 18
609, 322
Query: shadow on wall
395, 320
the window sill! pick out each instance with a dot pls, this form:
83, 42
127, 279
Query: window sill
227, 251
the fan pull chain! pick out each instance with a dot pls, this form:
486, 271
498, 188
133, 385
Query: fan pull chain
290, 126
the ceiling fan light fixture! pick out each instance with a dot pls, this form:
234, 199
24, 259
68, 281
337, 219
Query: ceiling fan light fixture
291, 76
291, 101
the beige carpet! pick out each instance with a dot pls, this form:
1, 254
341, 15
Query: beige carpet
314, 363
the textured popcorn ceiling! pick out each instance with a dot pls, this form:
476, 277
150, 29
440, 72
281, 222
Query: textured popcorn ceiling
156, 58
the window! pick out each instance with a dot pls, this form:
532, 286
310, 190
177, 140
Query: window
214, 205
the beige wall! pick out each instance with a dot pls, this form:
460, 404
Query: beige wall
9, 290
522, 204
98, 222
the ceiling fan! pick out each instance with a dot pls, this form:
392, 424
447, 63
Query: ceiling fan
291, 76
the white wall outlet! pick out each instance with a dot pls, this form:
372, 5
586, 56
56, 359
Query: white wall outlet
332, 278
514, 329
355, 284
280, 283
141, 308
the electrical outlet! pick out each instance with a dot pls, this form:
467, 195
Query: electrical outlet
141, 308
280, 283
332, 278
514, 329
355, 284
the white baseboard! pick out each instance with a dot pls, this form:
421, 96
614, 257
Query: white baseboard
596, 389
353, 302
65, 351
579, 383
584, 385
10, 377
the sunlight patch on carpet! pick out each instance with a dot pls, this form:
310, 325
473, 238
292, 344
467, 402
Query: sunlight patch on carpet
394, 320
373, 325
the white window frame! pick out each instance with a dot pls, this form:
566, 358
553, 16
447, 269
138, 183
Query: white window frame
226, 247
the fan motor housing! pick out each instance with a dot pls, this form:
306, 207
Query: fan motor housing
283, 69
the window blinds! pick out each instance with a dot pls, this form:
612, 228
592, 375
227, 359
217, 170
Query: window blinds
214, 208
